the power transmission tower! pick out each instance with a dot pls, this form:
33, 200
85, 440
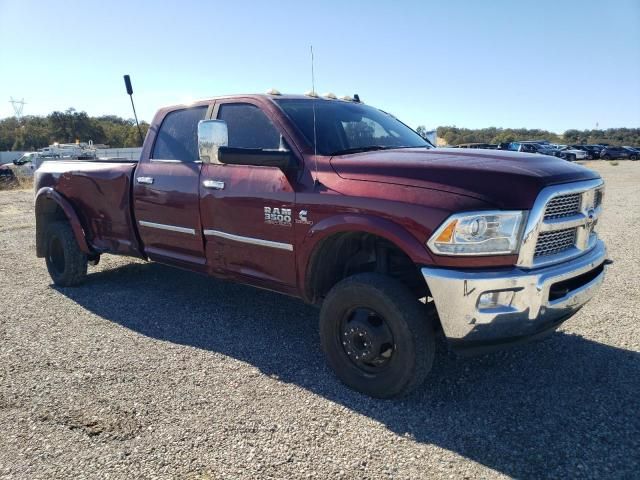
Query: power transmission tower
18, 106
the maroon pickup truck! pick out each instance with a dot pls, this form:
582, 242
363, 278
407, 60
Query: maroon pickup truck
342, 205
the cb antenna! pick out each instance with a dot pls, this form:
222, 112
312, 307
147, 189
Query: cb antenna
127, 83
313, 104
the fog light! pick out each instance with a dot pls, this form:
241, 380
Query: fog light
495, 299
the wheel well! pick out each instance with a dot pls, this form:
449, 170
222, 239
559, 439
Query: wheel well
344, 254
48, 211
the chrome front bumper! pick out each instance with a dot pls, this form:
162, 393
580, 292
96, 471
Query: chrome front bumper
534, 301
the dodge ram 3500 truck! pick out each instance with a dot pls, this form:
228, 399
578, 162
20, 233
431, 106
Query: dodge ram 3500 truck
342, 205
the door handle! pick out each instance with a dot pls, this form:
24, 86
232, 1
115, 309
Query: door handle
215, 184
145, 180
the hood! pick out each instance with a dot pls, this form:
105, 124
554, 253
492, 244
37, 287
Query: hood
504, 179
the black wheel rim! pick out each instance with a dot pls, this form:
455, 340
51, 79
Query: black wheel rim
366, 339
56, 255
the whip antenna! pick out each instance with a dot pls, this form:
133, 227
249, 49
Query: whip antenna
127, 84
315, 134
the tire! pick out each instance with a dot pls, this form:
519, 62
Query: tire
66, 263
571, 158
607, 157
369, 307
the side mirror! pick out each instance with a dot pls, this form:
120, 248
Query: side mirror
212, 134
258, 157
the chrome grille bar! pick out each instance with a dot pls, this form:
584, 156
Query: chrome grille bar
563, 206
560, 224
550, 243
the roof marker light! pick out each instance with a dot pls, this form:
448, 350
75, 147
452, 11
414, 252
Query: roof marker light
347, 98
330, 95
311, 93
273, 91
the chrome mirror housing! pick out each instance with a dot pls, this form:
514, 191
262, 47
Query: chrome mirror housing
212, 134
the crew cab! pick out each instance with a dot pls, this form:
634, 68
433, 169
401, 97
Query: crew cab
344, 206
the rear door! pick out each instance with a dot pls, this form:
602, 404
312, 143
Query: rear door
166, 192
247, 211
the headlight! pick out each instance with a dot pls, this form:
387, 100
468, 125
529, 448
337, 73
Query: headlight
479, 233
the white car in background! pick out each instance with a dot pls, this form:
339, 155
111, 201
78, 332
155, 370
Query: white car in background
27, 164
570, 154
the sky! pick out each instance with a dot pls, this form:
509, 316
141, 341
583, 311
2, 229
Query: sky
543, 64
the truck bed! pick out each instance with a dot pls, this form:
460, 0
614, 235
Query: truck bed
100, 191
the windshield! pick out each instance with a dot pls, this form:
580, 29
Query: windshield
346, 127
27, 157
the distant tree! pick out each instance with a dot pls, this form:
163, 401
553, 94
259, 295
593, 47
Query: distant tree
422, 131
456, 136
69, 126
32, 133
8, 130
133, 137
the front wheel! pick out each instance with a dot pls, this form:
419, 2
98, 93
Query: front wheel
377, 337
67, 264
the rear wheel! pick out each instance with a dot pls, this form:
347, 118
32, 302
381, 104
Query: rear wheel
377, 337
66, 263
607, 157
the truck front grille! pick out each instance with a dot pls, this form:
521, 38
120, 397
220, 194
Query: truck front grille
561, 223
563, 206
550, 243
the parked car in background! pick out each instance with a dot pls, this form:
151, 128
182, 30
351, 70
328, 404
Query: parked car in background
634, 153
596, 150
526, 147
27, 163
26, 158
610, 153
489, 146
592, 151
569, 153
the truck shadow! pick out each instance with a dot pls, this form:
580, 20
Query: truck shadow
553, 409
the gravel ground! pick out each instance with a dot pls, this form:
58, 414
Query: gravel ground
146, 371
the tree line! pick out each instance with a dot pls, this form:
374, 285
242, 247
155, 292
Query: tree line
33, 132
612, 136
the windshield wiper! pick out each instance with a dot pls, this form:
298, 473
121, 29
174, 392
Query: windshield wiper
370, 148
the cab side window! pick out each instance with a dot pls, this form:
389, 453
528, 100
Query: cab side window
177, 138
249, 127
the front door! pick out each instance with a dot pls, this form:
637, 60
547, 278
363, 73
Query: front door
247, 211
166, 192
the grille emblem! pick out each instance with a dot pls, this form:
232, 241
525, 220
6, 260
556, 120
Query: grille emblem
591, 220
